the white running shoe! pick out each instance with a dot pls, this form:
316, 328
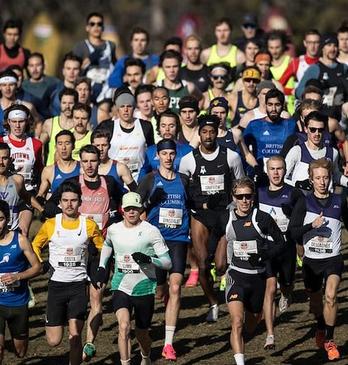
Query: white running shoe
213, 314
284, 303
269, 344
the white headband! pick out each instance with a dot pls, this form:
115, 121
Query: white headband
8, 80
219, 68
17, 114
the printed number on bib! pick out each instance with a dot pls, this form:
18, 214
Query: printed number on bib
170, 217
70, 257
242, 249
320, 244
212, 184
127, 265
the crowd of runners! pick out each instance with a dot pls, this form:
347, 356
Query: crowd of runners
229, 162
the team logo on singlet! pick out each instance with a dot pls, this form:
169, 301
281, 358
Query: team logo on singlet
5, 258
203, 170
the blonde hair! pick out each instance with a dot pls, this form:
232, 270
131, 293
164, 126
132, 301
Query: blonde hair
193, 37
276, 158
323, 163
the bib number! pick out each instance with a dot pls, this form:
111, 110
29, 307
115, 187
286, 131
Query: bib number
212, 184
70, 257
170, 217
320, 244
127, 265
242, 249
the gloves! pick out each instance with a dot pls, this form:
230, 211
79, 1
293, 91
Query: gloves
287, 210
158, 196
41, 200
304, 185
98, 277
141, 258
256, 259
260, 178
92, 250
213, 201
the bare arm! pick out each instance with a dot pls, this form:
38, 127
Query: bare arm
45, 181
239, 140
240, 57
125, 174
46, 131
205, 55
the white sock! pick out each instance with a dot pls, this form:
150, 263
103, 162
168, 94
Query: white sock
125, 362
239, 358
169, 335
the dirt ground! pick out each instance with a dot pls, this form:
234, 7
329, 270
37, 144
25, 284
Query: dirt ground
197, 342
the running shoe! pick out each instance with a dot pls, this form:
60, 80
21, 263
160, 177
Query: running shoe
320, 338
168, 352
331, 349
222, 286
213, 272
269, 344
213, 314
32, 301
192, 280
89, 351
284, 302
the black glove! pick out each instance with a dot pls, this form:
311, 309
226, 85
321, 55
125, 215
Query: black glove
98, 277
94, 58
304, 185
287, 209
214, 201
260, 178
47, 268
41, 200
256, 259
141, 258
157, 197
92, 250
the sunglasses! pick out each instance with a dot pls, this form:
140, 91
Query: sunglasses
98, 24
217, 77
252, 26
255, 81
242, 196
313, 129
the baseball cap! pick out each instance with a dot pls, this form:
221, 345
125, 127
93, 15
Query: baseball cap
328, 38
251, 73
250, 19
131, 199
219, 101
211, 120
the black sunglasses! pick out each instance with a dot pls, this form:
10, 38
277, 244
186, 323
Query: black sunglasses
99, 24
313, 129
217, 77
242, 196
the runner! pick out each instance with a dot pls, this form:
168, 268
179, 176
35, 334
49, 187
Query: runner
160, 101
316, 223
16, 252
68, 237
278, 200
211, 169
247, 252
165, 192
81, 122
139, 248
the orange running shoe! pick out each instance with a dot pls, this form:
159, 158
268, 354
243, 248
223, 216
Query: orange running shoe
192, 280
168, 352
320, 338
331, 349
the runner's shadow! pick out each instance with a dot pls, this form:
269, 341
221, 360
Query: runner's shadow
47, 360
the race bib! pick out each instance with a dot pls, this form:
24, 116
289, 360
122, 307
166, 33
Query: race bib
133, 165
97, 218
170, 216
244, 248
320, 244
126, 264
70, 257
212, 184
8, 288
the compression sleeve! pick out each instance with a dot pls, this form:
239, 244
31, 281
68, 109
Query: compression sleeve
94, 234
291, 159
163, 261
296, 227
145, 187
43, 237
148, 132
235, 163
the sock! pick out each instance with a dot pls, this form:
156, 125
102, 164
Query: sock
125, 362
169, 335
145, 356
239, 358
321, 322
329, 333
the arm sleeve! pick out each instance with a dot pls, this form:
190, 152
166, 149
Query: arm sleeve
311, 73
187, 165
162, 260
116, 77
291, 160
296, 227
106, 251
41, 239
145, 187
338, 177
235, 164
148, 132
288, 144
94, 234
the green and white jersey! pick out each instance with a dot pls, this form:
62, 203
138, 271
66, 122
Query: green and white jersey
129, 277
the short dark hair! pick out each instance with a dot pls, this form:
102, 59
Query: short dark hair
224, 20
176, 41
84, 107
83, 80
142, 89
280, 35
5, 208
5, 146
135, 62
316, 116
312, 89
137, 30
70, 56
66, 132
70, 92
275, 93
161, 87
170, 114
69, 187
37, 55
8, 72
96, 14
170, 54
100, 133
343, 29
312, 32
13, 23
15, 67
89, 148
